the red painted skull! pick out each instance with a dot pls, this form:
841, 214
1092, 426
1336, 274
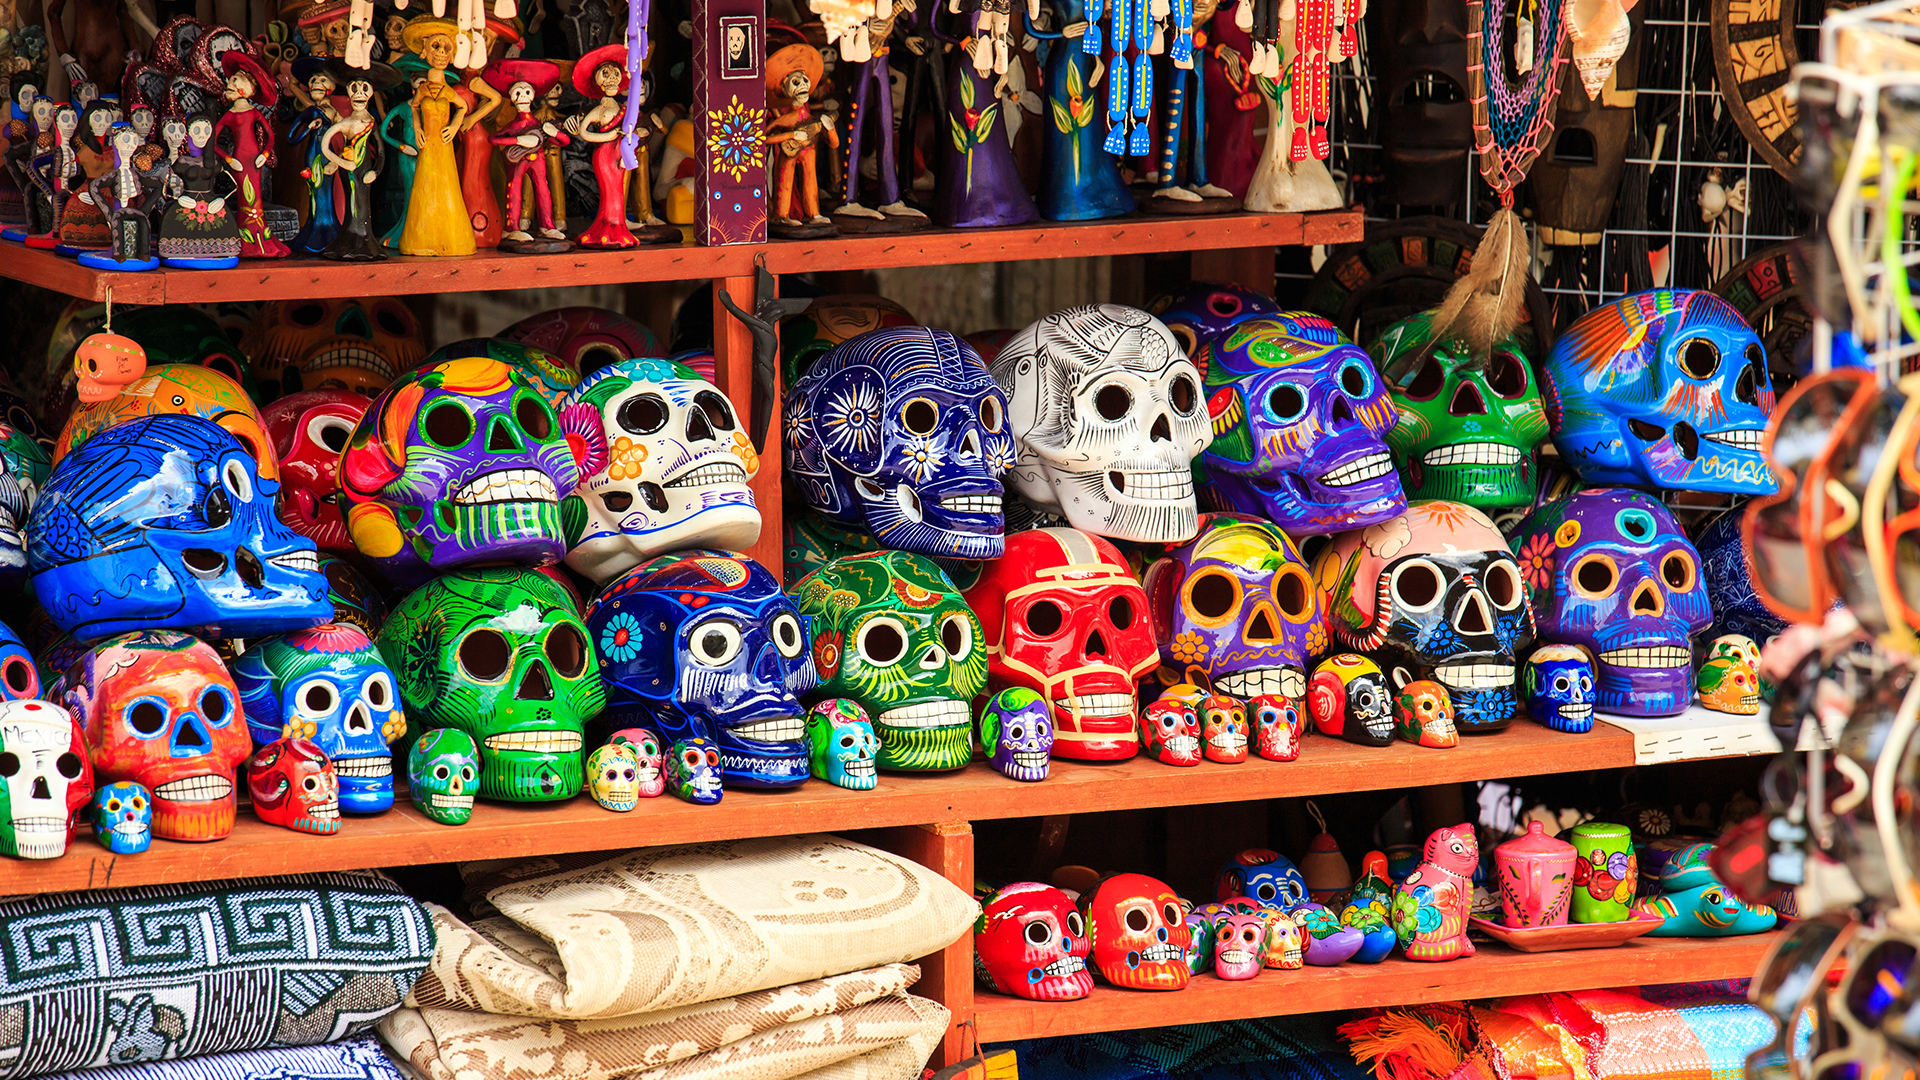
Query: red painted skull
1172, 731
1034, 944
1223, 728
1140, 935
294, 786
1277, 726
308, 431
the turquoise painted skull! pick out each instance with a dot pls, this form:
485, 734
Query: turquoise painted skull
443, 771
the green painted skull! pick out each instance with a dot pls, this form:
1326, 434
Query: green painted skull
1466, 430
442, 770
500, 653
891, 632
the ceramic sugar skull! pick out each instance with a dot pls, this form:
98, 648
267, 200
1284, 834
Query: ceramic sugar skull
1663, 389
1558, 682
891, 632
668, 468
1729, 684
1064, 617
1170, 731
1207, 309
1349, 698
705, 645
321, 344
586, 339
308, 432
443, 774
500, 653
1467, 428
1439, 587
903, 433
176, 390
1016, 730
613, 776
1737, 647
1286, 941
649, 752
1266, 877
1236, 608
1423, 714
842, 745
19, 678
329, 685
104, 363
458, 463
1300, 419
1611, 571
693, 771
159, 709
172, 502
123, 818
44, 778
1223, 729
1139, 933
23, 473
1277, 721
1106, 417
1240, 944
1033, 943
293, 786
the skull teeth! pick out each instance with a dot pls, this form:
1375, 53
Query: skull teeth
1159, 952
1747, 439
325, 811
1576, 712
39, 824
713, 474
1183, 745
1031, 759
1096, 704
195, 789
971, 504
1474, 676
363, 766
1235, 956
1063, 967
1228, 740
927, 714
537, 742
1150, 485
1649, 656
774, 729
509, 485
1371, 467
859, 767
358, 356
1475, 453
1253, 682
307, 561
453, 802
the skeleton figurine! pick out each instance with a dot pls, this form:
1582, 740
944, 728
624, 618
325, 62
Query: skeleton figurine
30, 143
127, 195
1723, 209
1129, 81
1184, 118
994, 28
873, 89
526, 140
792, 74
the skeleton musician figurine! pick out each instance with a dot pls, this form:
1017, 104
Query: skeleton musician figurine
873, 90
526, 140
792, 74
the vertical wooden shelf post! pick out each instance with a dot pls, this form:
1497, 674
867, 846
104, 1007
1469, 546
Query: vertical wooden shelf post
947, 976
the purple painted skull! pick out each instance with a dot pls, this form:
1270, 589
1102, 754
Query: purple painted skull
1300, 419
1206, 309
1016, 729
1610, 570
1235, 608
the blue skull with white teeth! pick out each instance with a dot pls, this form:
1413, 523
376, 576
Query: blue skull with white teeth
1559, 685
902, 432
704, 644
164, 523
331, 685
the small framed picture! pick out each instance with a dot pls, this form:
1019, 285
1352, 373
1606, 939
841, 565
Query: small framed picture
740, 47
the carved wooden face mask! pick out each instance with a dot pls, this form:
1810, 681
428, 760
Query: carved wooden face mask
1427, 130
1577, 175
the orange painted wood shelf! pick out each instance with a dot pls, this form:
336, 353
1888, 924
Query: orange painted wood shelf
1493, 971
402, 837
284, 279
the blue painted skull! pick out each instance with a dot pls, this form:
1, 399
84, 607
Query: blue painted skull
164, 523
1265, 876
123, 817
693, 771
329, 685
1300, 419
901, 431
1559, 688
1611, 571
842, 744
705, 645
1663, 389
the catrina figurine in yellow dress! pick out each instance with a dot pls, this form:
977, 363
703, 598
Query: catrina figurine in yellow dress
437, 222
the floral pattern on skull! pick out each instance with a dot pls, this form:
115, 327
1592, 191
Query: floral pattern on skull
1236, 608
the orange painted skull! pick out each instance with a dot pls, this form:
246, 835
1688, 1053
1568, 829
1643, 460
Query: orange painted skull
106, 362
321, 344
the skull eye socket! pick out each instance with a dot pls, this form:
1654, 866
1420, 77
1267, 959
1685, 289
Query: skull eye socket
642, 415
1753, 378
1044, 618
331, 432
311, 783
447, 424
1264, 892
846, 740
1016, 732
237, 480
306, 314
1355, 380
1076, 926
567, 650
441, 772
146, 718
19, 677
215, 706
466, 774
376, 691
1503, 585
1112, 401
691, 756
1286, 403
882, 641
1507, 375
920, 415
715, 642
484, 655
535, 416
318, 697
1138, 920
218, 509
956, 634
1213, 595
1294, 593
1427, 381
786, 635
1038, 932
719, 411
991, 416
1699, 358
1676, 569
1171, 913
1184, 394
390, 320
713, 759
1595, 576
9, 763
1120, 612
1189, 341
1561, 684
1417, 585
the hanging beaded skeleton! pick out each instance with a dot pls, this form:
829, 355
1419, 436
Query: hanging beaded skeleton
1511, 122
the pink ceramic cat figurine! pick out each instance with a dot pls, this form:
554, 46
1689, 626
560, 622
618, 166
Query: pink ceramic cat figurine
1430, 907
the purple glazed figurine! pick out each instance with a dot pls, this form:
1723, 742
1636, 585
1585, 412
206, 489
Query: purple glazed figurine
1016, 730
1236, 608
1327, 942
979, 182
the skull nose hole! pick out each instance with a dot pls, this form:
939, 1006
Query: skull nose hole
1646, 432
970, 446
652, 494
353, 321
698, 430
249, 567
204, 563
1118, 481
359, 720
1096, 645
617, 502
1260, 628
190, 734
500, 436
1473, 616
1467, 401
40, 790
1341, 412
1161, 430
536, 686
1646, 600
1687, 439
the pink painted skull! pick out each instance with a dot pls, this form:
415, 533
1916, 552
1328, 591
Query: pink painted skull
1240, 944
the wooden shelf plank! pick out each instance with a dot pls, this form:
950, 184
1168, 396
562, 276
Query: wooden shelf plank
284, 279
401, 837
1493, 971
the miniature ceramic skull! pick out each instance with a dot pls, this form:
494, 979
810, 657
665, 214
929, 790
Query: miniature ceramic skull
1170, 730
293, 785
443, 773
1423, 714
1664, 389
104, 363
1276, 726
1139, 933
330, 685
1559, 687
1611, 571
308, 432
903, 433
171, 502
1286, 942
693, 771
841, 744
1729, 684
1204, 310
1064, 617
19, 678
1223, 729
1266, 877
1467, 430
649, 754
613, 774
177, 390
1236, 608
320, 344
500, 653
1240, 944
1033, 944
891, 632
159, 709
1016, 728
586, 339
1105, 412
1300, 418
47, 777
1349, 699
123, 818
706, 645
1438, 585
458, 463
673, 463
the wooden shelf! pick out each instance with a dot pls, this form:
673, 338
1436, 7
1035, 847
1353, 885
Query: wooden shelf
402, 837
1493, 971
283, 279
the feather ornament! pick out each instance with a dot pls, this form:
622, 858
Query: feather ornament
1485, 306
